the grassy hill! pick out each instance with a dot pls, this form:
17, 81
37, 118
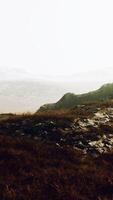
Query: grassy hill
69, 100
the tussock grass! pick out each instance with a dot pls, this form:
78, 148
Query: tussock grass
34, 170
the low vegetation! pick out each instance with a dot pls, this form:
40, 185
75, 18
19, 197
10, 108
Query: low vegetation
33, 170
42, 155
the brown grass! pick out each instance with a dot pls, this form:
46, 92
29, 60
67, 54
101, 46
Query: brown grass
38, 171
33, 170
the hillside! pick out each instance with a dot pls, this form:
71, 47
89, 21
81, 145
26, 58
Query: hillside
69, 100
30, 95
60, 155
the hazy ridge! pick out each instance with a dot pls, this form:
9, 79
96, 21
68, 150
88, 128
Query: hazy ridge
24, 96
69, 100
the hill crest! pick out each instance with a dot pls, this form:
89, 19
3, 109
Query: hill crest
69, 100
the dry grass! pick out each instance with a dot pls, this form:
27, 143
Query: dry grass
47, 115
32, 170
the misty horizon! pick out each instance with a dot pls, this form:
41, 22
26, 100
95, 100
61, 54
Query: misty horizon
29, 96
58, 46
13, 73
56, 40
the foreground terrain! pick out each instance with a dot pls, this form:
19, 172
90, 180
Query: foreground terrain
61, 155
35, 170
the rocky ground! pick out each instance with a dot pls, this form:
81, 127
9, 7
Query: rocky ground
88, 128
60, 155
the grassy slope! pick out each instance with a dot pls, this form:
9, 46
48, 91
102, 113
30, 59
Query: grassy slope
70, 100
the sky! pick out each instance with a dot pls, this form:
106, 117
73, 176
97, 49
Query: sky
56, 40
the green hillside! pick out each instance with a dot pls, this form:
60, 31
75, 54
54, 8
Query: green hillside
69, 100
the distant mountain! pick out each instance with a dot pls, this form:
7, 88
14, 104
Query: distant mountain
70, 100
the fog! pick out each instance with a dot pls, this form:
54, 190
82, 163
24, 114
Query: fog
56, 40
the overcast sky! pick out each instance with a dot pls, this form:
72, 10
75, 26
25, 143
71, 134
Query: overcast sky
56, 38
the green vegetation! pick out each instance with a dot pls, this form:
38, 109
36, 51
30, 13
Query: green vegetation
69, 100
